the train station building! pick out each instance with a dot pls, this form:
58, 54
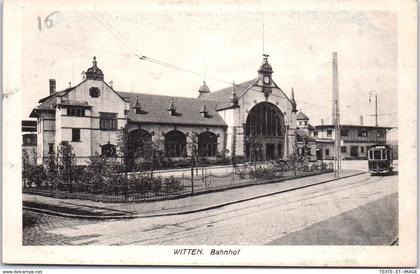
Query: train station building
252, 119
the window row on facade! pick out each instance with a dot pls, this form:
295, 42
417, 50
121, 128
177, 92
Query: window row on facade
380, 133
139, 141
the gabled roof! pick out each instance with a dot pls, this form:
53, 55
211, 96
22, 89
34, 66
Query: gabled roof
187, 110
301, 116
224, 96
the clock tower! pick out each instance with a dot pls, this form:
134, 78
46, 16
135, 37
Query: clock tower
264, 75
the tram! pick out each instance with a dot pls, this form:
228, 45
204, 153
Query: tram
380, 160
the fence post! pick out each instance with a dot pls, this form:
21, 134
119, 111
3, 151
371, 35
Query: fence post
192, 179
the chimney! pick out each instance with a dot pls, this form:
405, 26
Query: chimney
52, 86
322, 122
361, 120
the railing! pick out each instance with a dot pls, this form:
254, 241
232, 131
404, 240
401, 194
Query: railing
143, 188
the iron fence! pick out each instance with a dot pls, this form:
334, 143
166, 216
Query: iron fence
143, 188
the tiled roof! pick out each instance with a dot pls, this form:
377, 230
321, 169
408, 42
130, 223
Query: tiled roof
155, 110
224, 96
301, 116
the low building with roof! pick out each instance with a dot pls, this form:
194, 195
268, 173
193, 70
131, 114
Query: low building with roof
254, 119
355, 140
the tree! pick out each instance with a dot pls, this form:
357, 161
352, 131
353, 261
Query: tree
293, 159
66, 161
125, 151
152, 151
193, 146
255, 145
26, 167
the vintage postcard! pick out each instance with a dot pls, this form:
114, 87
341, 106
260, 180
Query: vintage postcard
243, 133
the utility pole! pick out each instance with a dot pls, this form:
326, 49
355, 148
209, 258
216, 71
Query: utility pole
336, 116
376, 105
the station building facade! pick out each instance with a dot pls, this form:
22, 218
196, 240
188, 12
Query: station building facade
232, 121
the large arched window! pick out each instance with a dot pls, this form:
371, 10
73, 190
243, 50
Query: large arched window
264, 132
175, 144
137, 140
207, 144
265, 120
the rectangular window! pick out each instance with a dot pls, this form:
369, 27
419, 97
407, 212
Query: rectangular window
362, 149
343, 149
108, 121
75, 134
327, 152
75, 111
362, 133
344, 132
315, 133
329, 133
94, 92
51, 148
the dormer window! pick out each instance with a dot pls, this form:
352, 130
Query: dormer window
204, 111
94, 92
171, 108
137, 107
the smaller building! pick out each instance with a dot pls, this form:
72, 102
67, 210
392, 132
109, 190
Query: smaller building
355, 140
305, 143
29, 140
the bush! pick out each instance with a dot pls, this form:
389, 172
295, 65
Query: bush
172, 184
35, 176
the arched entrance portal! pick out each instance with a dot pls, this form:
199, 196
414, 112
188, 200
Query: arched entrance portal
264, 132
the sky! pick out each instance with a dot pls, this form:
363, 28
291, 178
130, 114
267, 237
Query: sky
226, 45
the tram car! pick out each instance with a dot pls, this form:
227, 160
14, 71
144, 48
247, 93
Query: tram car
380, 160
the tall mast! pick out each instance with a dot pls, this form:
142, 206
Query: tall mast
336, 115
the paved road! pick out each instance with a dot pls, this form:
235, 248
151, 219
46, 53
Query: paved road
262, 221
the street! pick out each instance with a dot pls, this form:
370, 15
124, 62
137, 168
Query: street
360, 210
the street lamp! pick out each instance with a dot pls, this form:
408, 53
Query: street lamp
376, 105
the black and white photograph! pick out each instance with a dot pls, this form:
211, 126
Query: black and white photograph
210, 133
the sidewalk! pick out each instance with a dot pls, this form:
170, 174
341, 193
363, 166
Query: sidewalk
97, 210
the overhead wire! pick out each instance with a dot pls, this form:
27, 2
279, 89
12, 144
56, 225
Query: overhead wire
120, 37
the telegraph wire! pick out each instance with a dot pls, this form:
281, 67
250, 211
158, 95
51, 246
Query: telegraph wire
114, 32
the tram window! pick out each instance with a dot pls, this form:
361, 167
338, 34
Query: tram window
377, 155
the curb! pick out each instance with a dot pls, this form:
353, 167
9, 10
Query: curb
138, 216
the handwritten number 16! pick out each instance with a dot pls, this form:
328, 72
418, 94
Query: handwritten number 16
47, 21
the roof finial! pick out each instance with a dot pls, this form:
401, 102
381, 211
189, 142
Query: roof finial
94, 61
